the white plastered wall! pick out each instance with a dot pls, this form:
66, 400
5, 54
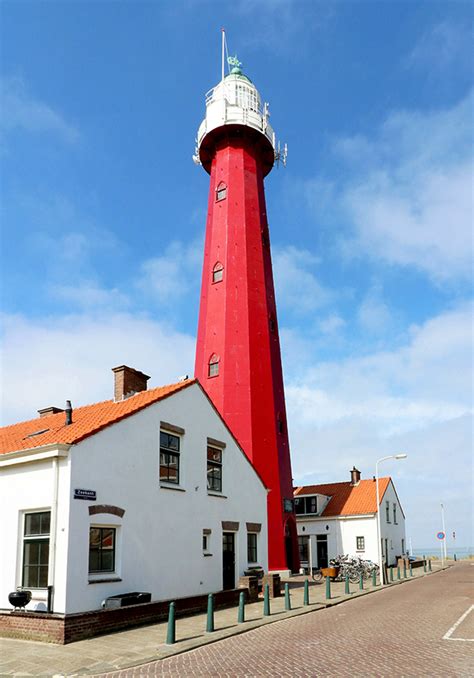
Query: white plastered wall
29, 487
342, 532
159, 547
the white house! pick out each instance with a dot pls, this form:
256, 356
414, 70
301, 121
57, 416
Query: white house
147, 492
341, 518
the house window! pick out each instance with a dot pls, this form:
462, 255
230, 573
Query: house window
303, 543
251, 547
360, 543
169, 457
403, 547
213, 369
305, 505
214, 469
217, 272
395, 514
387, 511
221, 192
36, 550
102, 549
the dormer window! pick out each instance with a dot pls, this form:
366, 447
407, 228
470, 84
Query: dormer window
218, 272
213, 368
221, 191
306, 505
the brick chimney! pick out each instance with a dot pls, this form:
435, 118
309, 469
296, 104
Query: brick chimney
128, 382
46, 411
355, 476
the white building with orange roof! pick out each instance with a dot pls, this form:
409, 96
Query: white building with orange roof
148, 492
341, 519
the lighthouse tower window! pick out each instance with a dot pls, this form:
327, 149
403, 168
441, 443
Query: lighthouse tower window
217, 273
213, 370
221, 191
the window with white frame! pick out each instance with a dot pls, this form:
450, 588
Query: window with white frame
36, 533
251, 547
221, 191
403, 547
206, 542
169, 457
218, 272
395, 514
214, 469
102, 542
213, 367
360, 543
387, 511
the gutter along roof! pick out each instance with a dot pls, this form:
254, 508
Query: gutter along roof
347, 499
86, 420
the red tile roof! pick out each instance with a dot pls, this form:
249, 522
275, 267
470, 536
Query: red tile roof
86, 420
347, 499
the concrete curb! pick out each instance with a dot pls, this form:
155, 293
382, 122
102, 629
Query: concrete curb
165, 651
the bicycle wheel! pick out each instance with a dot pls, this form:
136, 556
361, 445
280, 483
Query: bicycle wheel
316, 575
354, 576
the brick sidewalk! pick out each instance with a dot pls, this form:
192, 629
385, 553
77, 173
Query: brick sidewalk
146, 644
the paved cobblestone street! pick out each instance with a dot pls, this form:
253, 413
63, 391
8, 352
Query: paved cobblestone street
397, 632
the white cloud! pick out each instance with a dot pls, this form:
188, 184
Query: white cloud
382, 395
173, 275
49, 360
90, 295
373, 313
441, 46
416, 399
408, 195
20, 110
332, 324
297, 288
281, 26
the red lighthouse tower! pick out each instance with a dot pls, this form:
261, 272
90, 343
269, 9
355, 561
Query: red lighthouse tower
238, 358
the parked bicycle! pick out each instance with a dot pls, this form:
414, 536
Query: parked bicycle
316, 574
353, 567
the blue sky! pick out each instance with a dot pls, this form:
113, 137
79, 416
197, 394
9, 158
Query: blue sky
103, 215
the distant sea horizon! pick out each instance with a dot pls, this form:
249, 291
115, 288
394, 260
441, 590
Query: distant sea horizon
461, 552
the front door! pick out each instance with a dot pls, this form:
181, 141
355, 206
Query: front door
322, 550
228, 560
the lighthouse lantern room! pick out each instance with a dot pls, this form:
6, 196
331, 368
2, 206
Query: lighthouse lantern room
238, 359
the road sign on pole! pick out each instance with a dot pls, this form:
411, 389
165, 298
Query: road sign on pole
441, 535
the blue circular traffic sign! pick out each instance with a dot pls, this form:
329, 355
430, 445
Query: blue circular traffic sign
441, 535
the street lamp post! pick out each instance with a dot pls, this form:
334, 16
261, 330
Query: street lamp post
443, 543
379, 531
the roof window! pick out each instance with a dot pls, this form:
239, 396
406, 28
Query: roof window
36, 433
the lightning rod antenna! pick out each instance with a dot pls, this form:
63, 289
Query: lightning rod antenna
223, 50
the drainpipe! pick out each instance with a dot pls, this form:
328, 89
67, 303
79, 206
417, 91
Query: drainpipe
53, 530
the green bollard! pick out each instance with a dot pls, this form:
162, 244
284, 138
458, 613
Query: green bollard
398, 572
429, 565
404, 569
210, 614
328, 588
266, 601
361, 582
391, 574
424, 563
171, 632
287, 597
347, 588
241, 617
306, 593
374, 577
